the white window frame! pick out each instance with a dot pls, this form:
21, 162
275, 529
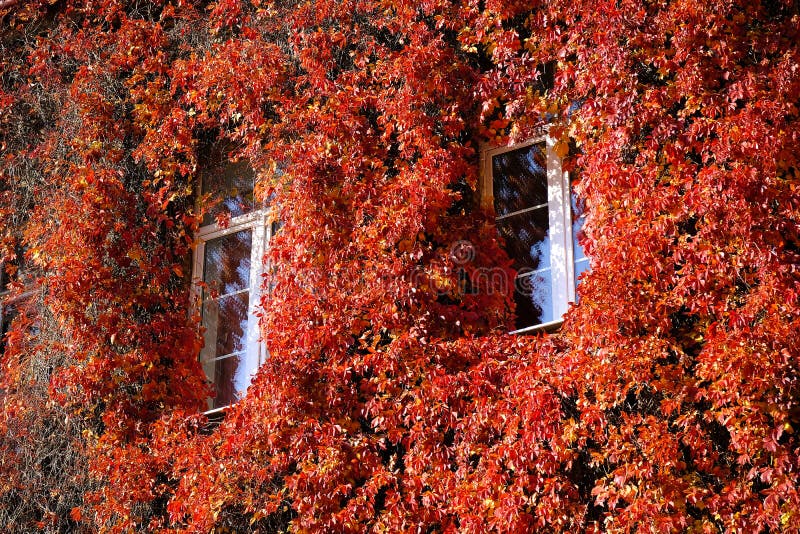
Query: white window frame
258, 222
562, 261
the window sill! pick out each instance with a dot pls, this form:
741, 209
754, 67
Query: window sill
215, 418
544, 327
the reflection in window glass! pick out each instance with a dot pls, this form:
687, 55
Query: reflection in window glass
231, 188
520, 179
520, 202
581, 261
524, 235
226, 266
227, 377
534, 298
225, 311
226, 322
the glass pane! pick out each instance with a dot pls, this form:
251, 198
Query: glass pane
527, 239
225, 320
226, 266
577, 226
520, 179
534, 298
231, 188
225, 374
230, 355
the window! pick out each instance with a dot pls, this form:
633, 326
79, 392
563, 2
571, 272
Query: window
227, 271
539, 219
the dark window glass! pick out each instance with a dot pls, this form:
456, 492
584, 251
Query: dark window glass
520, 179
526, 238
225, 319
533, 296
225, 374
231, 187
226, 266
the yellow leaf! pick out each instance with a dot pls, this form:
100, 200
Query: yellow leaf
561, 149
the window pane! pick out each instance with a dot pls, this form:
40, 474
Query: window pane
231, 354
231, 188
226, 267
225, 374
534, 298
577, 226
225, 320
527, 239
520, 179
581, 261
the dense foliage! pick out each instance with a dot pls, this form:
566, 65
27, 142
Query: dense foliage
393, 400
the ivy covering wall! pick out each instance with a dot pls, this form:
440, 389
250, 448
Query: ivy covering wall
393, 399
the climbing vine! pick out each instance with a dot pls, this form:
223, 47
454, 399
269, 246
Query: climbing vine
393, 399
